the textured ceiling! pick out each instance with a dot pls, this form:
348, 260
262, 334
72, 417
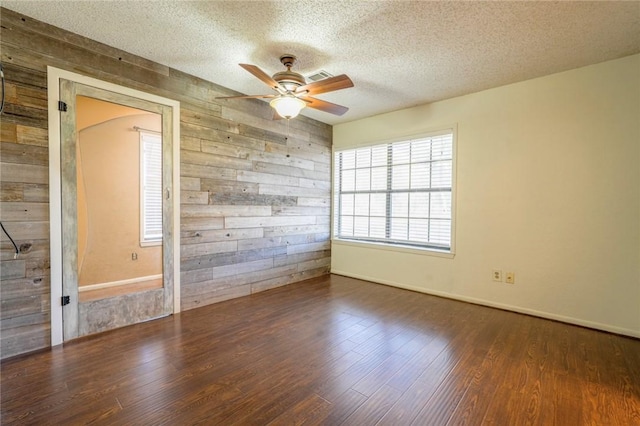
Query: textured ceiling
398, 53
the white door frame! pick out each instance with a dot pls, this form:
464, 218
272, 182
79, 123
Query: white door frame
54, 75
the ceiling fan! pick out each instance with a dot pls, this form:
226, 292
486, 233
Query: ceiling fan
293, 92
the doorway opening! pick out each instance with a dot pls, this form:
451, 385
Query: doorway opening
114, 191
119, 199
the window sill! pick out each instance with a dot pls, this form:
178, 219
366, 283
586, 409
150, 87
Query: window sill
395, 247
150, 243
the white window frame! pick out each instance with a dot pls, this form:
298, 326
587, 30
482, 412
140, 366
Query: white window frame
386, 242
147, 239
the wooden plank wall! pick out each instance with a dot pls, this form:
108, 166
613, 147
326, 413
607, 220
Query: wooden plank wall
255, 195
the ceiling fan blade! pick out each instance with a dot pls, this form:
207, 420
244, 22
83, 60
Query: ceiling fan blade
325, 106
327, 85
264, 77
247, 97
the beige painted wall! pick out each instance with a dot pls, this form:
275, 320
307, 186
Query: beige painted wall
108, 202
90, 111
548, 186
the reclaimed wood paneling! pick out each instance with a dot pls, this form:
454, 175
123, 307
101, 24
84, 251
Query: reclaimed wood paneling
255, 193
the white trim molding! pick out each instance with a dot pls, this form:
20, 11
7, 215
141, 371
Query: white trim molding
119, 283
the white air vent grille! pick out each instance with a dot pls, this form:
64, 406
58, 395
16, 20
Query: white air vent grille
320, 75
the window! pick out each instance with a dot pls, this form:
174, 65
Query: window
150, 189
396, 193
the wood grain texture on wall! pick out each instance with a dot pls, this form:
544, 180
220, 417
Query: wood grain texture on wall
255, 194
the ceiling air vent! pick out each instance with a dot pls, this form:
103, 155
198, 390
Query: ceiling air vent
320, 75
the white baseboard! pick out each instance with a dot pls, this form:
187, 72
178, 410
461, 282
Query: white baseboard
518, 309
118, 283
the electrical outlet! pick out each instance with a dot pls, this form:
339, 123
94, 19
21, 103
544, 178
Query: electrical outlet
497, 275
510, 278
134, 256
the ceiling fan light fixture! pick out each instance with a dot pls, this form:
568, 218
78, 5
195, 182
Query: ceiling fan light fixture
287, 106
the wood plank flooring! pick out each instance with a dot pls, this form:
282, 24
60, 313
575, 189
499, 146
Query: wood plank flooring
334, 351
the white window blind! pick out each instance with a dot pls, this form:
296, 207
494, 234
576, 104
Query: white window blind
397, 193
150, 187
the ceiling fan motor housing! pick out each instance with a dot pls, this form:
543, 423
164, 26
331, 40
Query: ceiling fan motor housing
289, 79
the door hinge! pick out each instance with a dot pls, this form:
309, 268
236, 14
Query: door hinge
62, 106
65, 300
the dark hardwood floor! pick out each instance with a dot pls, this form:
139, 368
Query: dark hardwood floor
333, 351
